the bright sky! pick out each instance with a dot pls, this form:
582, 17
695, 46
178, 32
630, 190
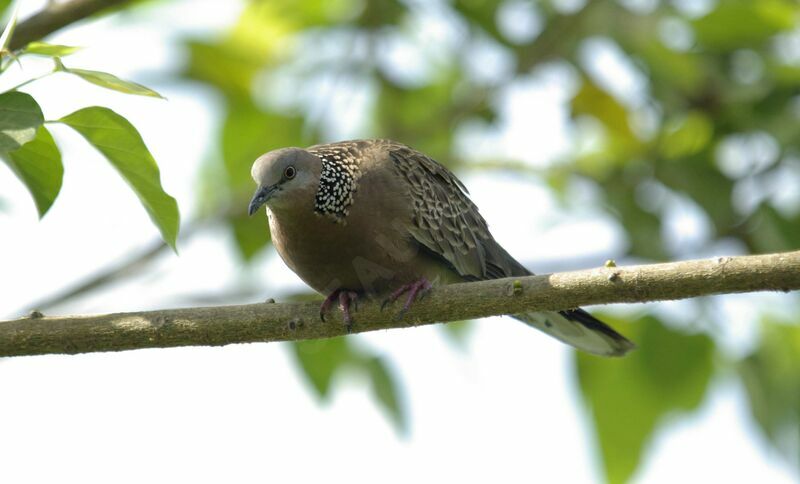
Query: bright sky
504, 410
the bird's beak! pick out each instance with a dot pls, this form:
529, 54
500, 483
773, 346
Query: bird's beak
260, 197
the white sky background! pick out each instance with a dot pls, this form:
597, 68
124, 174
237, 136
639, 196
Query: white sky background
506, 410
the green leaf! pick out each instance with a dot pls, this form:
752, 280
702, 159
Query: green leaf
630, 397
20, 118
38, 166
110, 81
51, 50
320, 360
385, 390
123, 146
771, 377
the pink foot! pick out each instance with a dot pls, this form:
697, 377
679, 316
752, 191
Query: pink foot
416, 290
345, 298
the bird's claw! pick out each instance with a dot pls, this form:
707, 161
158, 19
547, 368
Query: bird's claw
416, 290
345, 299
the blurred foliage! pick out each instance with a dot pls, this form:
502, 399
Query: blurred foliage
771, 375
710, 120
322, 360
630, 397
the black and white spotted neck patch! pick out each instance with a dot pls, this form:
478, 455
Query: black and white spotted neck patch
338, 180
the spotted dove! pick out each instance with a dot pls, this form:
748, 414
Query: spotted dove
378, 218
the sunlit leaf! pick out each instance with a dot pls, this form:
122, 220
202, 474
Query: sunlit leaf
630, 397
51, 50
771, 376
110, 81
120, 142
20, 118
38, 164
384, 387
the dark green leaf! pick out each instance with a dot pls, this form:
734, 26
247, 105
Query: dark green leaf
20, 118
38, 164
320, 360
629, 397
51, 50
385, 390
110, 81
122, 145
771, 376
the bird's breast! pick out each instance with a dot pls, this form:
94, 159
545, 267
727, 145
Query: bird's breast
371, 250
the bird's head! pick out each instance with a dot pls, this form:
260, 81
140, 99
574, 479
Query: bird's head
284, 176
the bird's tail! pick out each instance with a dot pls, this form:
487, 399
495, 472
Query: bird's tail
580, 329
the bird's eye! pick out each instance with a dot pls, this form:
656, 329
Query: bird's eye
289, 172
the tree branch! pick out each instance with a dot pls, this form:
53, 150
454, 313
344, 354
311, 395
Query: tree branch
58, 15
36, 334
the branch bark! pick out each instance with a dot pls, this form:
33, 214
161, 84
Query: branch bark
37, 335
58, 15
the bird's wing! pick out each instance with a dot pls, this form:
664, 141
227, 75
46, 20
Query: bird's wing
446, 221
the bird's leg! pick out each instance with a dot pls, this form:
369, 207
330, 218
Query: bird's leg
345, 298
416, 290
327, 303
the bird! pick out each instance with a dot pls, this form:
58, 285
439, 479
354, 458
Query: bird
377, 218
